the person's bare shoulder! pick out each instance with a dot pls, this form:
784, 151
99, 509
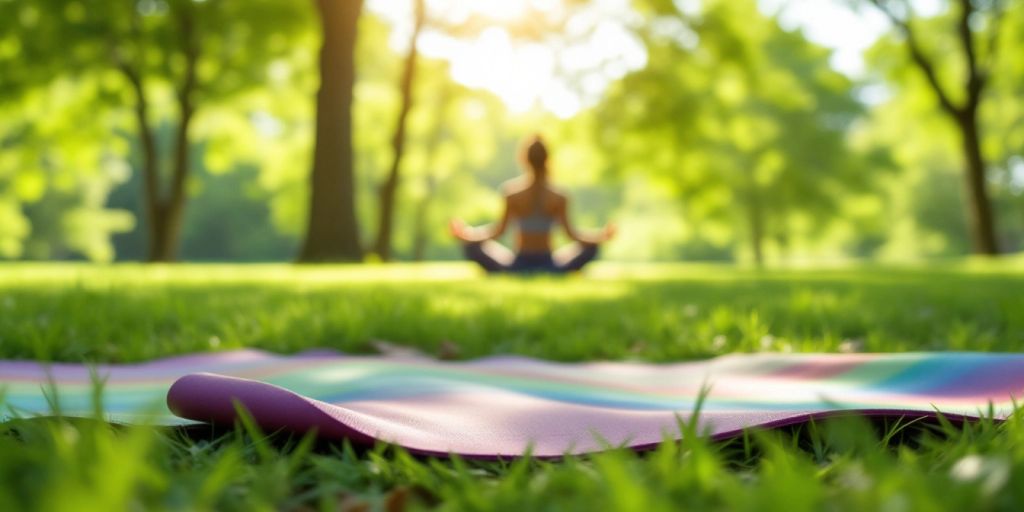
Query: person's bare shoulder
514, 186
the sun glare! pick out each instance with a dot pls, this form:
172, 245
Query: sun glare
559, 73
568, 71
500, 9
495, 10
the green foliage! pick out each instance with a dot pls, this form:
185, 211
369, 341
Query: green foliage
744, 120
926, 193
735, 135
56, 182
77, 74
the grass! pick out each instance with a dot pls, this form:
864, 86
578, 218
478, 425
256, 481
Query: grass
649, 312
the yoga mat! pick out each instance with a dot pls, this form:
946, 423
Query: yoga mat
502, 406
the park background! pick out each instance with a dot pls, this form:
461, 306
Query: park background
868, 153
777, 132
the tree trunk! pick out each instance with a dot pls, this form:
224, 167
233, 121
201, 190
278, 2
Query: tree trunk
164, 229
166, 223
389, 188
419, 236
150, 171
332, 232
756, 227
165, 234
983, 231
163, 218
965, 115
757, 237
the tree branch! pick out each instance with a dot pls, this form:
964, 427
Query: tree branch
966, 37
919, 58
998, 13
975, 77
389, 187
147, 139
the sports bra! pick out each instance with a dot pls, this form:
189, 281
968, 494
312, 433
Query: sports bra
537, 222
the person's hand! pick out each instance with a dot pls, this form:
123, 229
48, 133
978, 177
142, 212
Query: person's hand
608, 232
458, 228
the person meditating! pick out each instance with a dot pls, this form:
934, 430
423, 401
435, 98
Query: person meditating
535, 207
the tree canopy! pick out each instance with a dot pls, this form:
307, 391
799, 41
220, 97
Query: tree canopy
733, 137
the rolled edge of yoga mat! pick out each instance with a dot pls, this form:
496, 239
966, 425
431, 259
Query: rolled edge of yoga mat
212, 399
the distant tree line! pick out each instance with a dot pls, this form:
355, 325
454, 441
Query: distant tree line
269, 129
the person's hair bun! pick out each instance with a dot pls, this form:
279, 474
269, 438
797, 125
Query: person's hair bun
536, 153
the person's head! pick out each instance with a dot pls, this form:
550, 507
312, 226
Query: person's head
534, 156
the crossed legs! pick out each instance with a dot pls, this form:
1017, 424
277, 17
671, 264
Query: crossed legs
494, 257
490, 255
573, 256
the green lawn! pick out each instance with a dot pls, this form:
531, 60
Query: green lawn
647, 312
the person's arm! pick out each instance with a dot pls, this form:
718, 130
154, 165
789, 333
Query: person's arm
603, 235
472, 234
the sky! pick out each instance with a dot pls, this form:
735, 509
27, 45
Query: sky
834, 24
598, 47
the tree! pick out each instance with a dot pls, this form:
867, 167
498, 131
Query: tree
961, 107
382, 246
332, 232
744, 120
165, 204
172, 57
471, 118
